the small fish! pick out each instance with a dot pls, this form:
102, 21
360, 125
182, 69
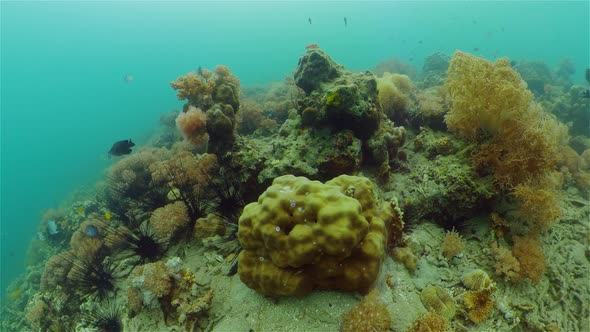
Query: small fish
420, 42
121, 147
476, 49
588, 75
345, 22
80, 210
128, 78
200, 71
108, 216
91, 231
52, 227
586, 93
309, 20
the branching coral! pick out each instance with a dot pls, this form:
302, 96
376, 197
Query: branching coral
369, 315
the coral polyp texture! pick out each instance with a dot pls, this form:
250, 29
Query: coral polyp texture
303, 235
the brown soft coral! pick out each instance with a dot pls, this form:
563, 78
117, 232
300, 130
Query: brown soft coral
395, 93
367, 316
490, 99
538, 203
527, 250
193, 125
506, 264
169, 221
56, 270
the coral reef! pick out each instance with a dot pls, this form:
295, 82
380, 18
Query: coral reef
169, 287
336, 97
368, 315
218, 96
443, 189
303, 234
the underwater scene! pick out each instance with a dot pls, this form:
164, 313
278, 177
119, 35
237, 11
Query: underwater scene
406, 166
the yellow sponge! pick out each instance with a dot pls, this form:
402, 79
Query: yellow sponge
303, 234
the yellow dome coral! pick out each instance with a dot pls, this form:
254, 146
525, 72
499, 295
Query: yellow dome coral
303, 234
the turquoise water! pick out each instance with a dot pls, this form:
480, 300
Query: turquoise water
64, 100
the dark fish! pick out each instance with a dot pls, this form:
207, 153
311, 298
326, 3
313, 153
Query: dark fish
476, 49
588, 75
200, 71
419, 42
345, 22
309, 20
121, 147
586, 93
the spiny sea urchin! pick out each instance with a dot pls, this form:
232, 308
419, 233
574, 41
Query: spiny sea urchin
93, 278
141, 243
105, 317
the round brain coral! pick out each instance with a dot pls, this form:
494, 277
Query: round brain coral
303, 234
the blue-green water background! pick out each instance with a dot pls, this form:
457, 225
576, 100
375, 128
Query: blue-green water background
64, 101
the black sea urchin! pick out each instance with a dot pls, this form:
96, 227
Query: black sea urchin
105, 318
141, 243
93, 278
